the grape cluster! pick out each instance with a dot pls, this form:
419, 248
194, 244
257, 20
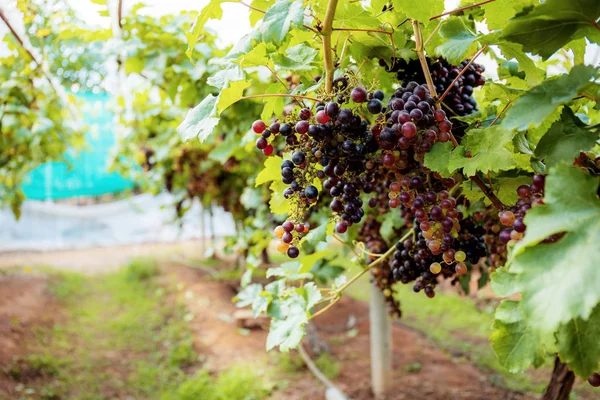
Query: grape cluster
459, 99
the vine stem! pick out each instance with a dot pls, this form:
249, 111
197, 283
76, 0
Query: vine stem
423, 60
337, 295
461, 73
456, 10
500, 113
294, 96
326, 31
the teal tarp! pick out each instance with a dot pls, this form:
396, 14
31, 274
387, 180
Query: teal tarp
86, 173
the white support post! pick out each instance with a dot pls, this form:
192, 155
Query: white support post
381, 344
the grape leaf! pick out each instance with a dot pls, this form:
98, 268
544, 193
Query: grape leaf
565, 139
533, 75
460, 41
271, 171
515, 343
278, 204
279, 19
438, 157
578, 344
532, 108
297, 58
201, 120
551, 25
221, 79
391, 221
211, 11
487, 150
248, 295
420, 10
231, 94
307, 261
289, 270
499, 11
559, 281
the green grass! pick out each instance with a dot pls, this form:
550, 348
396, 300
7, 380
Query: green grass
124, 334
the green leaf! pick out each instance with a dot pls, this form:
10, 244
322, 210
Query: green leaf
211, 11
221, 79
420, 10
551, 25
201, 120
289, 270
460, 41
309, 260
134, 65
533, 75
288, 333
514, 342
487, 150
438, 157
278, 204
297, 58
500, 11
231, 94
271, 171
279, 19
311, 294
532, 108
248, 295
565, 139
261, 303
578, 344
392, 221
559, 281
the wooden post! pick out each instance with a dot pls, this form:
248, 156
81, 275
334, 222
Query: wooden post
381, 343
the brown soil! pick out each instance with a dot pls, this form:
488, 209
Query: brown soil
439, 376
25, 302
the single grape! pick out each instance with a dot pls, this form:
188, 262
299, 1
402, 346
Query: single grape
460, 256
322, 117
293, 252
461, 268
409, 130
258, 126
278, 231
267, 151
435, 268
439, 115
287, 237
594, 380
507, 218
341, 226
374, 106
302, 127
378, 94
261, 143
288, 226
359, 95
311, 192
298, 157
282, 246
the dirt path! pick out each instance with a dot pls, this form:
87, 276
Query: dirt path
433, 374
420, 369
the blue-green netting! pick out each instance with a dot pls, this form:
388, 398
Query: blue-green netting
86, 173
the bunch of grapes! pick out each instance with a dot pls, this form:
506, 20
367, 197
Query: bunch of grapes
458, 99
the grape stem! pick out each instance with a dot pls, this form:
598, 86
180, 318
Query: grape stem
339, 239
461, 73
423, 60
326, 31
337, 295
500, 113
457, 10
